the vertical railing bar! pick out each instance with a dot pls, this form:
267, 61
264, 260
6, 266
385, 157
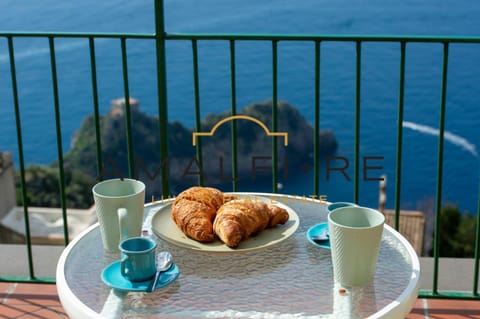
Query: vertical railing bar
274, 115
20, 156
128, 111
477, 248
198, 122
316, 137
93, 66
58, 129
234, 112
398, 171
438, 201
357, 122
162, 93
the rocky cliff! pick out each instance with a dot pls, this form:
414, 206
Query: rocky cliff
254, 147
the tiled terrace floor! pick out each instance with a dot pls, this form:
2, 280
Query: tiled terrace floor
35, 301
32, 301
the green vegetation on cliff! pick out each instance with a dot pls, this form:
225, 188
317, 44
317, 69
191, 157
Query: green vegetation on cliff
457, 233
43, 187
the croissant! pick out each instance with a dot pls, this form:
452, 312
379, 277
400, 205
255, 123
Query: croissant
194, 210
237, 220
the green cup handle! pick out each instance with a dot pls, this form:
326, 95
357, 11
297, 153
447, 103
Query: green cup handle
123, 223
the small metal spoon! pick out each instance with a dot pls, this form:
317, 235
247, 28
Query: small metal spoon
164, 262
321, 237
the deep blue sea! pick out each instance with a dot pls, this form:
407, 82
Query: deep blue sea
379, 88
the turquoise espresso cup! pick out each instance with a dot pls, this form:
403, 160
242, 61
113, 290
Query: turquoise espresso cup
138, 258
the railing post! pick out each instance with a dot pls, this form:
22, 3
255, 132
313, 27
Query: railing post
198, 122
274, 115
477, 248
356, 180
58, 130
18, 125
233, 85
316, 129
96, 112
162, 93
398, 171
438, 201
128, 111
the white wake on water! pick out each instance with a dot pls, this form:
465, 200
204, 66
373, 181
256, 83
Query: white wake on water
450, 137
45, 49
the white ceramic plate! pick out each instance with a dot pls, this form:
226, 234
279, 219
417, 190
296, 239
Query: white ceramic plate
164, 227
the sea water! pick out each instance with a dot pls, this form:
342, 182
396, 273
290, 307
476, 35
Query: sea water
379, 86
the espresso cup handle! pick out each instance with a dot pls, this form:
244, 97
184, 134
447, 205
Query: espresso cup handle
123, 267
123, 223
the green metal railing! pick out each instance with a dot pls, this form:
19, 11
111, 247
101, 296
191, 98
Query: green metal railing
160, 37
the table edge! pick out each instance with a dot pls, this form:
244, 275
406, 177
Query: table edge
74, 307
401, 306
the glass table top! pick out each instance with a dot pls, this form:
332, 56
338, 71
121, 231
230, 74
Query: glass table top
290, 279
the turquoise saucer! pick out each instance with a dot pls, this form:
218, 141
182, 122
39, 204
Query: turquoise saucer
315, 231
112, 276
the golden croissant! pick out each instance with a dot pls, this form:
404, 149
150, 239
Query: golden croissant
237, 220
194, 210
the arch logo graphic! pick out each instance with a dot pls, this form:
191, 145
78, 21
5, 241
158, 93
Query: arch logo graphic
238, 117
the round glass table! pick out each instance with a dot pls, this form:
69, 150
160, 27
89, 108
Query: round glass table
291, 279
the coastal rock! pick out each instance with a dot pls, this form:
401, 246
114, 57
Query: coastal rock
253, 146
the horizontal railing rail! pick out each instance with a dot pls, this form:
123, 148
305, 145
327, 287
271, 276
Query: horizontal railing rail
250, 37
160, 37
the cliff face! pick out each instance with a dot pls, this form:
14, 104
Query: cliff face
254, 147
